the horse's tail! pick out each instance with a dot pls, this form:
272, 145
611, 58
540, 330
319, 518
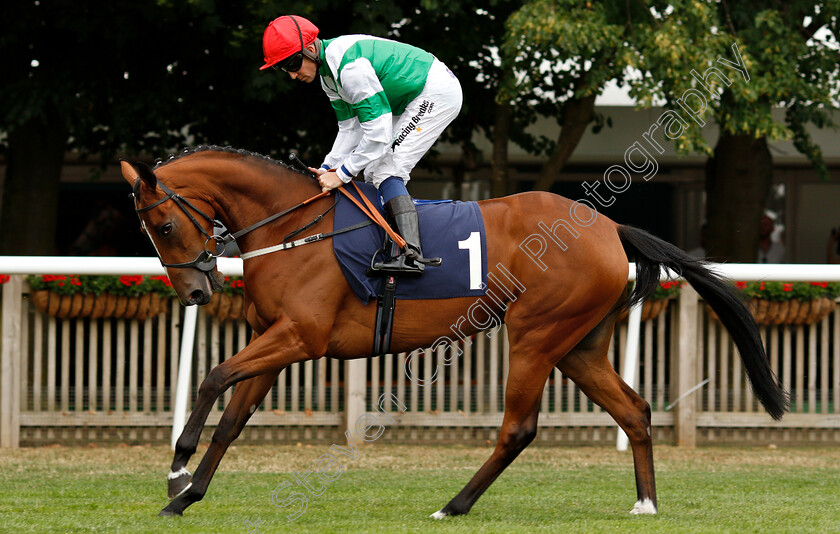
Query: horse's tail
651, 253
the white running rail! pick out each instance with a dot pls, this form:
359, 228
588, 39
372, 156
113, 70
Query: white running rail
233, 267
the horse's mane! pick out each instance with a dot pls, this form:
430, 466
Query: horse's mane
160, 162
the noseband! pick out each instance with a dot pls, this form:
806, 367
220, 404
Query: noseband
206, 259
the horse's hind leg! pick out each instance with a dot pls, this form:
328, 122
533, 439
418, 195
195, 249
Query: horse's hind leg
247, 395
589, 367
523, 393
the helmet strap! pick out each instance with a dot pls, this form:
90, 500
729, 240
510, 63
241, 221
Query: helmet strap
306, 53
316, 57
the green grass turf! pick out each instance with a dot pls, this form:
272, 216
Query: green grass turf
393, 488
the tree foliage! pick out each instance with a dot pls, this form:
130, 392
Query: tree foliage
560, 55
788, 67
151, 76
561, 52
146, 78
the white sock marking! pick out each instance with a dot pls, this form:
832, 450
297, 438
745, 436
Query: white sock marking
179, 473
440, 514
644, 506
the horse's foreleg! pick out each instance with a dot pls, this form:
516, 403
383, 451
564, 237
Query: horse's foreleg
276, 348
246, 397
179, 477
591, 370
186, 443
523, 392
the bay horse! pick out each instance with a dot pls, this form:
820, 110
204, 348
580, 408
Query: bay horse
301, 308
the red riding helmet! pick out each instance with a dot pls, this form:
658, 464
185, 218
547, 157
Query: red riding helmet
285, 36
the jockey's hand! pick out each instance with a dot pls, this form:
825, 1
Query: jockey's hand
329, 180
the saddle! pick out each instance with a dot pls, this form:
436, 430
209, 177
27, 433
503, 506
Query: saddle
453, 230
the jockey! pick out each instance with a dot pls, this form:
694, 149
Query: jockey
392, 101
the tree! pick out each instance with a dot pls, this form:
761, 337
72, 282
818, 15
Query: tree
94, 78
783, 66
145, 78
559, 56
787, 69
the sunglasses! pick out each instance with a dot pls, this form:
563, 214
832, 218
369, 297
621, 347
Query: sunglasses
294, 62
291, 64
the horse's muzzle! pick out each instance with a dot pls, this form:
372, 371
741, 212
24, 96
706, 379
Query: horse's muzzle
198, 297
201, 288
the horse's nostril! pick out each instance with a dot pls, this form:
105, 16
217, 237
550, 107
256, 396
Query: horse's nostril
197, 297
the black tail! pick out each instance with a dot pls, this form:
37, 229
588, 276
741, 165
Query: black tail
651, 253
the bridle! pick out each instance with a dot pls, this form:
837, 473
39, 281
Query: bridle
206, 259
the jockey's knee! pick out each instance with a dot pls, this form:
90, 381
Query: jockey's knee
392, 187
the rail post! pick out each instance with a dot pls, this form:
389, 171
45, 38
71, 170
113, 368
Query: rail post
631, 361
185, 358
10, 355
355, 395
684, 365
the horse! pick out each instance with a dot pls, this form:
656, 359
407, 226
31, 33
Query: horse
561, 314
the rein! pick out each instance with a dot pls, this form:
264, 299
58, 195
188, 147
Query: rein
228, 237
374, 214
206, 260
368, 209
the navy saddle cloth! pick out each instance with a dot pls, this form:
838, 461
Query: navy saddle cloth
450, 230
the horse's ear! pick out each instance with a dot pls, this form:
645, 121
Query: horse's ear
129, 172
132, 171
147, 175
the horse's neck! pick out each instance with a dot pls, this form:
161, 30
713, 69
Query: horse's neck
245, 193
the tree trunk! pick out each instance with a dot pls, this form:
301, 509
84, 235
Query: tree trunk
738, 181
30, 197
501, 136
462, 171
578, 114
458, 181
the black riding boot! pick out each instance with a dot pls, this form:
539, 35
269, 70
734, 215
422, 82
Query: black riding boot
410, 261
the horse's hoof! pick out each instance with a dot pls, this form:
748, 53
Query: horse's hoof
440, 514
166, 512
645, 506
179, 481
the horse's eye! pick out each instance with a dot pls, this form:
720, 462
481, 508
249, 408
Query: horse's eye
165, 229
